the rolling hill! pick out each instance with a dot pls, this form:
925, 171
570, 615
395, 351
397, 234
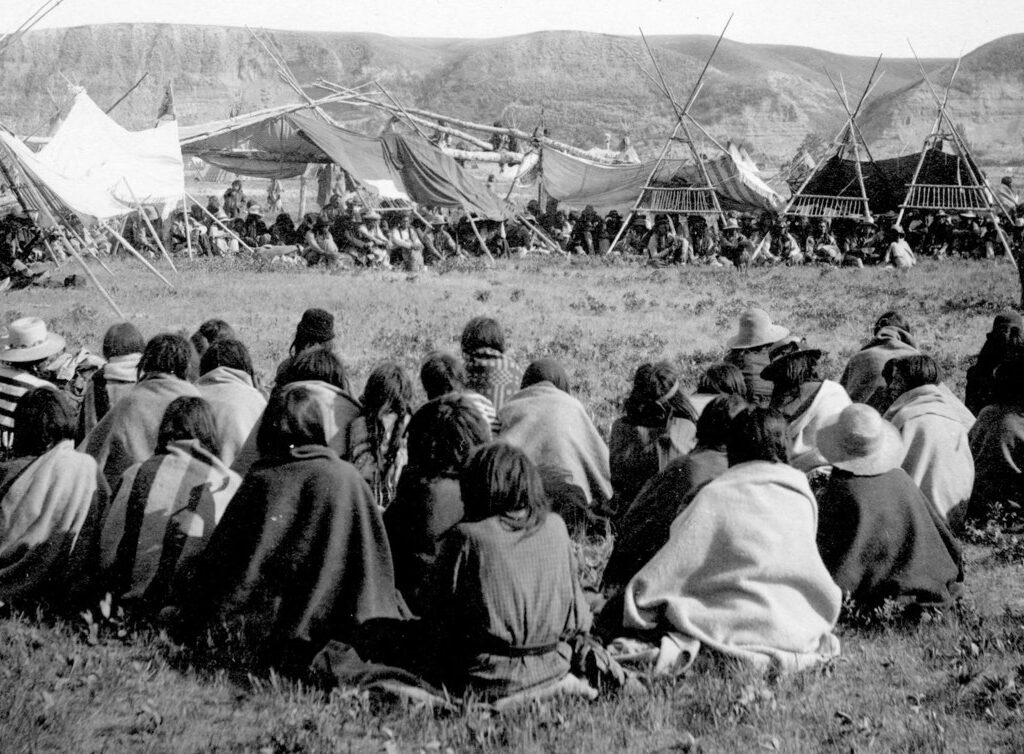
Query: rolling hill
580, 85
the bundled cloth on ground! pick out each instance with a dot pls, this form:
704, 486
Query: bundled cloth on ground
863, 373
161, 518
881, 538
48, 509
997, 444
741, 573
127, 434
555, 431
236, 404
576, 182
644, 527
506, 605
93, 165
106, 387
299, 558
934, 425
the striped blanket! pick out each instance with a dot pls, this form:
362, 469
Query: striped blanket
161, 517
44, 504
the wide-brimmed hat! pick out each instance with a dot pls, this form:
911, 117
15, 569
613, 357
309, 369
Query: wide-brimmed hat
371, 215
771, 372
861, 441
730, 225
756, 329
28, 339
968, 215
255, 209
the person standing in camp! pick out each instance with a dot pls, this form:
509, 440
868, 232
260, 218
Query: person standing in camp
234, 201
407, 242
23, 351
275, 205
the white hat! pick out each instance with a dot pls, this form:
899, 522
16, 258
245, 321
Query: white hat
861, 441
756, 329
28, 339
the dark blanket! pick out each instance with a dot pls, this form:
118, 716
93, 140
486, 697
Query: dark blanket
644, 527
299, 558
751, 361
997, 444
881, 538
425, 509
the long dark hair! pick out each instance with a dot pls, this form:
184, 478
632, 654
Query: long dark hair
657, 397
722, 378
293, 418
167, 353
443, 433
757, 434
500, 480
318, 363
188, 418
43, 418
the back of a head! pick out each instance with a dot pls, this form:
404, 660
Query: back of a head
293, 418
757, 434
714, 424
722, 379
227, 352
388, 390
315, 328
167, 353
500, 480
122, 339
442, 373
188, 418
913, 371
43, 417
892, 319
483, 332
319, 364
656, 397
215, 329
546, 370
442, 434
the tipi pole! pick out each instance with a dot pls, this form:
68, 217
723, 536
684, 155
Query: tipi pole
149, 224
188, 228
213, 217
134, 251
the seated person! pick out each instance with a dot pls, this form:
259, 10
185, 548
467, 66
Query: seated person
741, 574
997, 445
899, 254
507, 599
879, 536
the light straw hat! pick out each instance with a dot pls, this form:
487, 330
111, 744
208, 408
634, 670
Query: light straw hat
861, 441
756, 329
28, 339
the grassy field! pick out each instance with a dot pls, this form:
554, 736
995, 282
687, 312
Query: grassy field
952, 683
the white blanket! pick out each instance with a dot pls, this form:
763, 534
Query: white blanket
741, 572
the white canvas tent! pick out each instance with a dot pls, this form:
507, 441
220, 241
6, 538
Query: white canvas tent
98, 169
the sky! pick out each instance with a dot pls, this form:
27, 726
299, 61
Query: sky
937, 28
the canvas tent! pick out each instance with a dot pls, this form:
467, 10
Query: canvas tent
394, 166
98, 169
575, 182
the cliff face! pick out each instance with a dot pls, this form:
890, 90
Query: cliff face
986, 103
579, 85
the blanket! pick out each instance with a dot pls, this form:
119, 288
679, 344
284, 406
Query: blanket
299, 558
802, 432
237, 405
644, 526
338, 410
937, 451
554, 430
45, 504
863, 373
881, 538
741, 572
492, 374
997, 445
105, 388
162, 516
127, 434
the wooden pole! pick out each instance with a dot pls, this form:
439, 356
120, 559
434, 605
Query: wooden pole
149, 225
133, 250
188, 229
90, 248
230, 232
302, 196
476, 232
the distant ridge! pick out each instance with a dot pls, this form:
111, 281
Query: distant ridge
583, 85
